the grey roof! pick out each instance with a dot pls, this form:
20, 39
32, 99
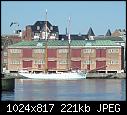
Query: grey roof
41, 24
73, 37
90, 32
109, 38
108, 33
55, 29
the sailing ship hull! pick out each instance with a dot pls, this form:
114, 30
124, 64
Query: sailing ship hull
54, 76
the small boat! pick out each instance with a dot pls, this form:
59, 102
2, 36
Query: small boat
54, 76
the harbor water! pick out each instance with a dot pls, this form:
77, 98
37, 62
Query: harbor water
67, 90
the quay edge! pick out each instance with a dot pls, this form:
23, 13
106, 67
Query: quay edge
106, 76
8, 84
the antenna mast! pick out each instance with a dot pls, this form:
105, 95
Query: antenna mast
46, 43
69, 40
46, 25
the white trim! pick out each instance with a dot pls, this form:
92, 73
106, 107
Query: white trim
27, 60
64, 46
102, 46
52, 59
25, 47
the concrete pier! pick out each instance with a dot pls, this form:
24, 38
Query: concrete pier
106, 76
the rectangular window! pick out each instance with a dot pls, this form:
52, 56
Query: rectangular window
63, 51
88, 50
39, 50
15, 50
63, 62
5, 53
113, 50
88, 62
5, 60
113, 62
15, 62
39, 62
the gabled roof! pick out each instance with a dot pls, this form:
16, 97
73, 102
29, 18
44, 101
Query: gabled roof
41, 24
90, 32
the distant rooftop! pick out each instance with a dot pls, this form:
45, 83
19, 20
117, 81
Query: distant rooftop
73, 37
109, 38
90, 32
108, 33
41, 25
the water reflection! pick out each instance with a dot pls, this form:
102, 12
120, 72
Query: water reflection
123, 89
67, 90
7, 95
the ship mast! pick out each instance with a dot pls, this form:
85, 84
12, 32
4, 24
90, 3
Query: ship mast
69, 40
46, 43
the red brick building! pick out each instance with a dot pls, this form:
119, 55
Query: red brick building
7, 40
103, 55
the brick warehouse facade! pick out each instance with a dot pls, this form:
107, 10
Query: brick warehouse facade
7, 40
103, 55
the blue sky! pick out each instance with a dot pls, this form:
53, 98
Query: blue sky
100, 15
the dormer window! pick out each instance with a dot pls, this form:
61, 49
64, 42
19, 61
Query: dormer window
38, 27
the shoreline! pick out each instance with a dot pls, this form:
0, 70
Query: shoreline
89, 76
